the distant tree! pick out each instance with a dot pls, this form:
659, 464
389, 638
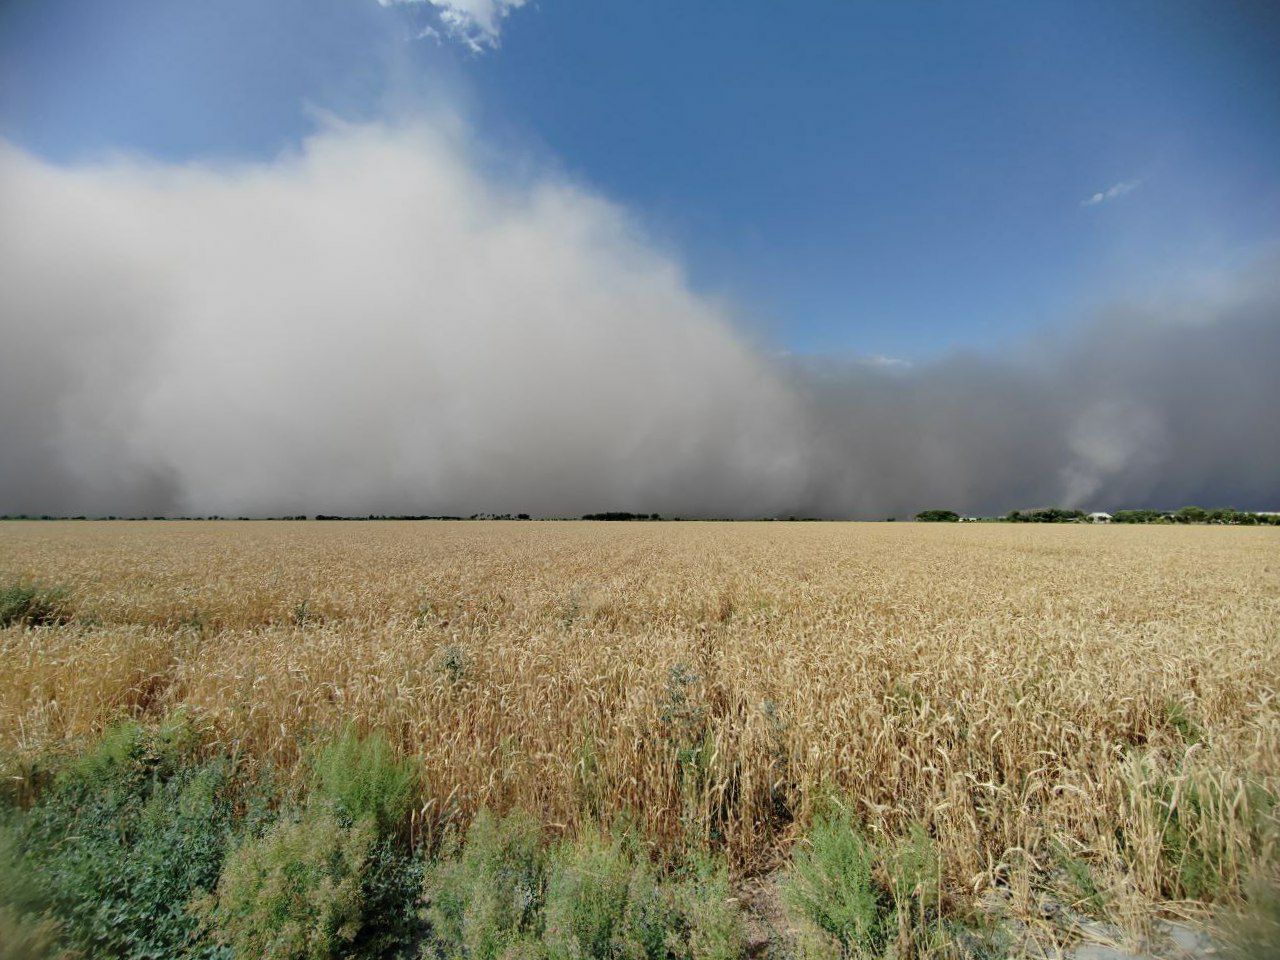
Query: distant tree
1191, 515
937, 516
1136, 516
1045, 515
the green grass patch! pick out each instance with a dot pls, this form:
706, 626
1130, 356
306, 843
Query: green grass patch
31, 605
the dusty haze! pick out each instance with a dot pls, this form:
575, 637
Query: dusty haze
377, 324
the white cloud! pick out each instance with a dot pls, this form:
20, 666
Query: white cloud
1113, 192
477, 23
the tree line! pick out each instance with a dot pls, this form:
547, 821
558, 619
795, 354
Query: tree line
1219, 515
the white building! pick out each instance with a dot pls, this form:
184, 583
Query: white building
1099, 517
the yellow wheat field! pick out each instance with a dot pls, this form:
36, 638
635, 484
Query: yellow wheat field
1027, 692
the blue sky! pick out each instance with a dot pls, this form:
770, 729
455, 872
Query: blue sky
897, 180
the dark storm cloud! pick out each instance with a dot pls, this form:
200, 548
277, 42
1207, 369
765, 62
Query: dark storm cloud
1162, 405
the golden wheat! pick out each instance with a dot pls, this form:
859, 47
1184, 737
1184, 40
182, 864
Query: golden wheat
1025, 691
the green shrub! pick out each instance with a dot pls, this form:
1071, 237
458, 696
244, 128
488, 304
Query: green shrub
864, 893
339, 881
604, 902
594, 898
363, 777
128, 835
295, 892
391, 890
831, 884
31, 605
28, 930
362, 780
487, 900
124, 838
709, 913
588, 893
123, 759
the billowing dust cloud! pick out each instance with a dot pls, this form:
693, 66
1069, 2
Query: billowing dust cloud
378, 324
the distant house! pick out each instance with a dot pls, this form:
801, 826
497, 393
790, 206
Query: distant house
1099, 517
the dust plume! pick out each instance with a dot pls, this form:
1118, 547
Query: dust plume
379, 323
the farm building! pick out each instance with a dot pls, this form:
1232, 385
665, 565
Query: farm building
1099, 517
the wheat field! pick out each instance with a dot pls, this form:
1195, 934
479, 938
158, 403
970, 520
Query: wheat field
1032, 695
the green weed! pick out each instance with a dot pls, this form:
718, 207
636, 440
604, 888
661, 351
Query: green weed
124, 838
296, 893
31, 605
364, 778
488, 899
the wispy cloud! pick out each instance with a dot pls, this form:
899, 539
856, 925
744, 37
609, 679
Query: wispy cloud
477, 23
888, 363
1114, 192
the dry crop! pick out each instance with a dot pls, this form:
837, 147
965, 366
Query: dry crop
1088, 707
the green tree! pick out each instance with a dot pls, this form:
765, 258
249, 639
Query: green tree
937, 516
